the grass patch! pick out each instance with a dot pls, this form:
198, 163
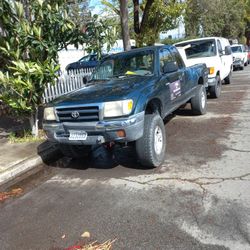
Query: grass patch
25, 136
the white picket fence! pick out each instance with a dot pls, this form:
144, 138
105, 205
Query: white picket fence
67, 82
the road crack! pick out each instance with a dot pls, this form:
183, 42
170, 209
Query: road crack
200, 181
239, 150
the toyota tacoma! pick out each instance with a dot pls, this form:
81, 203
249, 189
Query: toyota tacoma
126, 100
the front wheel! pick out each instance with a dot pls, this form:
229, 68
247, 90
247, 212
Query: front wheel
215, 90
74, 151
151, 147
199, 101
228, 79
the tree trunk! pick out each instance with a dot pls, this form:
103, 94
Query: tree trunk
145, 15
34, 123
136, 16
124, 24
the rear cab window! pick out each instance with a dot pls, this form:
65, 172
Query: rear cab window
165, 56
177, 58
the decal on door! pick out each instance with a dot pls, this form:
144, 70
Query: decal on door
175, 89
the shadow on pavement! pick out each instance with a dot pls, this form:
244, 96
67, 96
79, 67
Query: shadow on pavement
102, 157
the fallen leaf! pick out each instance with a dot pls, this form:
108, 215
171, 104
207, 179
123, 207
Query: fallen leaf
13, 192
85, 235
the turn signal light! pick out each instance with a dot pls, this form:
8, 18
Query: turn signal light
120, 133
211, 70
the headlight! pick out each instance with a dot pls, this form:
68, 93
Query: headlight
118, 108
49, 114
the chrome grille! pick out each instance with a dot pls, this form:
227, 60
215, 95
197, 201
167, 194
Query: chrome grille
78, 114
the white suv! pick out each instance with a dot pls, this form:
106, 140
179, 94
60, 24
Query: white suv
216, 53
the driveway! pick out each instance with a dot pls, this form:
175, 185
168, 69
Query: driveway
198, 199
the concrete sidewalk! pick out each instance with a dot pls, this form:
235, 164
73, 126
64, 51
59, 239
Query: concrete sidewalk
18, 158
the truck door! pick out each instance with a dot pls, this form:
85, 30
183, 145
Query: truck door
223, 68
170, 82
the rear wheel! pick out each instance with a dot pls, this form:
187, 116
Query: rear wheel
199, 101
151, 147
215, 90
74, 151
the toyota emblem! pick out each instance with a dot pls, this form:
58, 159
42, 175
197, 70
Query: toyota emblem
75, 114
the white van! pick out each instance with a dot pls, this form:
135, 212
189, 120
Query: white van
216, 53
240, 56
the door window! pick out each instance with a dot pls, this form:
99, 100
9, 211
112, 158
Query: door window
219, 47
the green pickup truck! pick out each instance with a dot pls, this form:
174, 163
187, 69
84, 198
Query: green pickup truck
126, 100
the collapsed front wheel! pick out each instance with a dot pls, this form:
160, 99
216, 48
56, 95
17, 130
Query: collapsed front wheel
74, 151
151, 147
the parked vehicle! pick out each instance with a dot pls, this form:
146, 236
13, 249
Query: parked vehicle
126, 100
248, 54
89, 61
239, 56
215, 52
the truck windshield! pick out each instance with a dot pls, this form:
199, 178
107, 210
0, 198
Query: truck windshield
236, 49
124, 65
204, 48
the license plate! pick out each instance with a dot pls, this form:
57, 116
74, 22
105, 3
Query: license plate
77, 135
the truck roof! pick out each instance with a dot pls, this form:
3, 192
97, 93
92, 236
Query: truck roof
154, 47
199, 39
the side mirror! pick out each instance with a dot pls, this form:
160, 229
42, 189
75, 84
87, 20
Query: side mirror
228, 50
170, 67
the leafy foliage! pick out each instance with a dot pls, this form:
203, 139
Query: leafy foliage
215, 18
32, 34
162, 16
98, 32
149, 17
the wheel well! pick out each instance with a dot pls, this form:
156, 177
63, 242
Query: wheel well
154, 106
200, 81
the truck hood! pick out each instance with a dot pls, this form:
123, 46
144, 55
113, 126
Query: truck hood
239, 55
209, 61
103, 91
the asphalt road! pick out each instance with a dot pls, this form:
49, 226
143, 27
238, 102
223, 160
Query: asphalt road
198, 199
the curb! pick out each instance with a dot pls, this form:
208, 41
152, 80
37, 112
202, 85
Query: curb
46, 153
19, 169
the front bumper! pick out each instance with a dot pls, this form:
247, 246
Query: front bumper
97, 132
238, 64
212, 81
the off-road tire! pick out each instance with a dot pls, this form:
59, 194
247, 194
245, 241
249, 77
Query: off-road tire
74, 151
245, 64
146, 147
215, 90
199, 101
228, 79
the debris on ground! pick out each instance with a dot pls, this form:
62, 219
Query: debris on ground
107, 245
85, 235
12, 193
